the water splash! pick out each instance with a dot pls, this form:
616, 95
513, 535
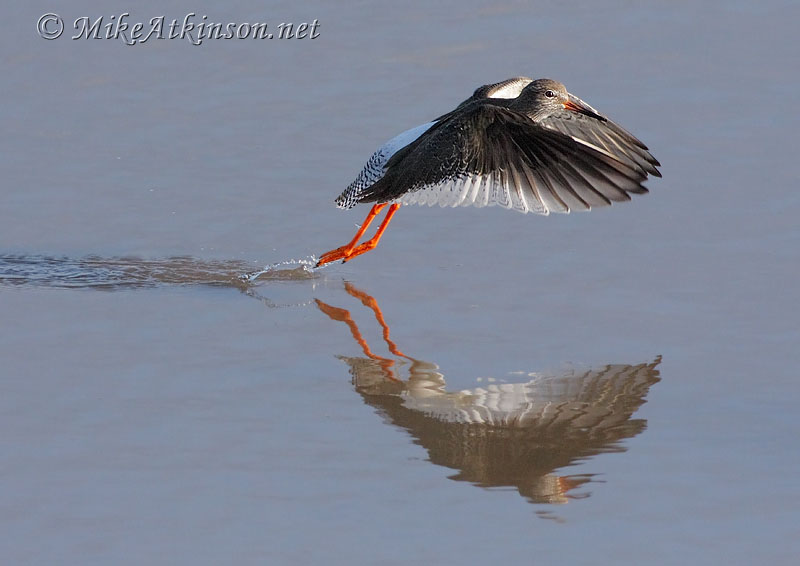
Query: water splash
279, 271
94, 272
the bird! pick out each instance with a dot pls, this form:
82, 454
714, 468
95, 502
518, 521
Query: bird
523, 144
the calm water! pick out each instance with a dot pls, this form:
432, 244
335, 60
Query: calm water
618, 387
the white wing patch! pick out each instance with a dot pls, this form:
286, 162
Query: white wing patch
403, 139
510, 90
508, 189
376, 164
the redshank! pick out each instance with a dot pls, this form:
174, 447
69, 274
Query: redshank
526, 145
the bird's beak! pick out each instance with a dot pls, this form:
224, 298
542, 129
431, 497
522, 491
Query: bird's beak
575, 104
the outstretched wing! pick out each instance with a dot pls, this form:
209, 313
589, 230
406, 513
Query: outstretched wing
489, 155
605, 135
376, 165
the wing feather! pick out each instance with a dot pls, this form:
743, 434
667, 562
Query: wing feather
491, 155
605, 135
376, 165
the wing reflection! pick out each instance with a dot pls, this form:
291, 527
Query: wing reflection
514, 435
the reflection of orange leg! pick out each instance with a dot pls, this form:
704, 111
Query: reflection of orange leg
565, 484
370, 302
343, 315
350, 250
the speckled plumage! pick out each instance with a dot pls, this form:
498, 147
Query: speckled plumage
375, 167
543, 151
526, 145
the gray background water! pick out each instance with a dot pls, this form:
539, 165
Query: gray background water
182, 423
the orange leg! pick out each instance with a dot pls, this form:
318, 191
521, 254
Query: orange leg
350, 250
343, 251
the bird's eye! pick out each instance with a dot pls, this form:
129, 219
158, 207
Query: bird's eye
549, 93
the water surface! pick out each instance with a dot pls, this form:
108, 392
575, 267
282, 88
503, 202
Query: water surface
617, 387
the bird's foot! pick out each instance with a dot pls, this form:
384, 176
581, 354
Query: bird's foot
362, 248
346, 253
350, 250
342, 253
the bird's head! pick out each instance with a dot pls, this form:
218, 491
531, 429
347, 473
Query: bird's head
544, 97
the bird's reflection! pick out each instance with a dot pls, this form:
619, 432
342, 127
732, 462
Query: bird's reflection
502, 435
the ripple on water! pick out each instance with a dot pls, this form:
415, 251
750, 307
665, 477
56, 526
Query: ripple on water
289, 270
94, 272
